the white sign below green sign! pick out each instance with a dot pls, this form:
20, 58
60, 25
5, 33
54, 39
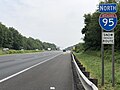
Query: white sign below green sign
108, 38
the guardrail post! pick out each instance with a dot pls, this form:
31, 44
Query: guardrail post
88, 83
87, 74
82, 69
95, 81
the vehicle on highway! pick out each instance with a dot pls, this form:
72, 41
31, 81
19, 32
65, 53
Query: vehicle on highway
64, 50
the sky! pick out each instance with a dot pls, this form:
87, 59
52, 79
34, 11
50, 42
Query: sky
55, 21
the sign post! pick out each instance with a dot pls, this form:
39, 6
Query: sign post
102, 55
113, 65
107, 21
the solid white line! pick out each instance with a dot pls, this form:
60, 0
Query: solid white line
11, 76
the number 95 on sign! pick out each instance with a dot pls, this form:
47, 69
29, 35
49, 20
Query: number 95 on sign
108, 21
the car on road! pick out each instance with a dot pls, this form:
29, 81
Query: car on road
64, 50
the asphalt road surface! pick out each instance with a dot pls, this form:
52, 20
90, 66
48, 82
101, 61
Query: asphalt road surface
40, 71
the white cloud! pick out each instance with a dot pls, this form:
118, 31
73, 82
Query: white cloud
58, 21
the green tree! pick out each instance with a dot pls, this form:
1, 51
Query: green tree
11, 38
49, 45
92, 31
17, 39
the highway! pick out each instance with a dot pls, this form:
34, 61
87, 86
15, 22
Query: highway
40, 71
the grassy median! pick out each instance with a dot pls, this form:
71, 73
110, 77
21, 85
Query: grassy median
92, 61
18, 51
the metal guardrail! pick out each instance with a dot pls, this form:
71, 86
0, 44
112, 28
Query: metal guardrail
87, 84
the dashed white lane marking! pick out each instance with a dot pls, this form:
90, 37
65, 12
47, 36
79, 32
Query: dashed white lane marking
52, 88
11, 76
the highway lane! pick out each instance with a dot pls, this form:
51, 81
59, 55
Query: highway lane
55, 74
11, 64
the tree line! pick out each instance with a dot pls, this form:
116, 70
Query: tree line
92, 31
12, 39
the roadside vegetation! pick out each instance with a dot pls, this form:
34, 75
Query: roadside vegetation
12, 39
89, 52
92, 62
18, 51
92, 31
12, 42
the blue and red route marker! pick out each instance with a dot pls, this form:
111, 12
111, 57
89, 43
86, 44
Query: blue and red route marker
108, 21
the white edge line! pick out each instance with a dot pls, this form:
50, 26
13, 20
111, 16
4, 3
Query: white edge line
11, 76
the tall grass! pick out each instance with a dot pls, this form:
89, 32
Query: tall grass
92, 61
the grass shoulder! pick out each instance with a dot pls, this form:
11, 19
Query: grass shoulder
92, 61
18, 51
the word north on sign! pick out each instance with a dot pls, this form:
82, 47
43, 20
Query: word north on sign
108, 21
108, 8
108, 38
